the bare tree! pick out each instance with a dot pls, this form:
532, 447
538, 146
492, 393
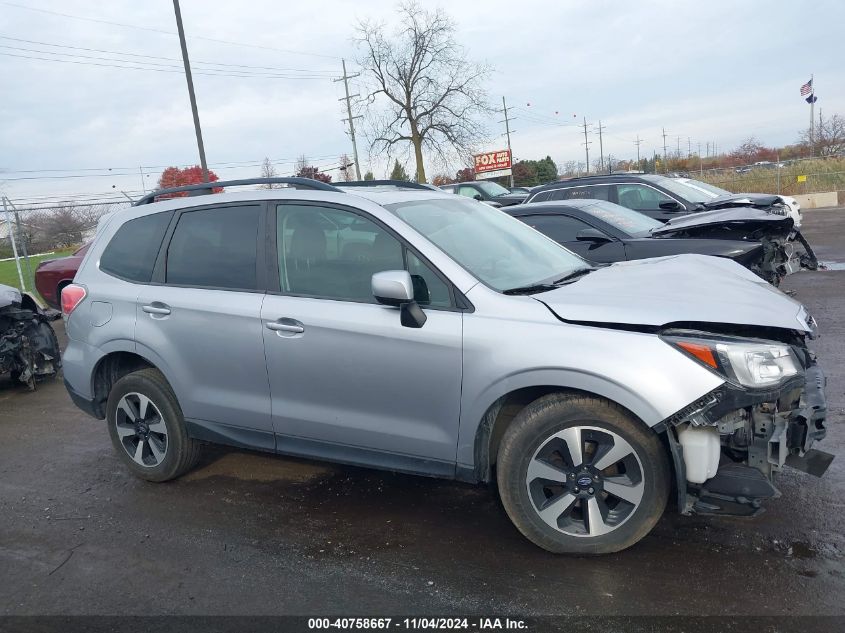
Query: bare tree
65, 226
426, 91
828, 137
268, 171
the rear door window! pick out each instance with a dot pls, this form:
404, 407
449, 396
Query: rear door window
131, 253
215, 248
594, 192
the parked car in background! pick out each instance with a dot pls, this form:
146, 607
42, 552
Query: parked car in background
52, 275
657, 196
717, 193
486, 191
604, 232
422, 332
525, 190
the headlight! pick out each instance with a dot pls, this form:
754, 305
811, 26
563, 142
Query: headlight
747, 363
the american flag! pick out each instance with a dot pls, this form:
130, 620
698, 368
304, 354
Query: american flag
807, 88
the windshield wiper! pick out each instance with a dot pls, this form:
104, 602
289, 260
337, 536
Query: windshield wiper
574, 274
529, 290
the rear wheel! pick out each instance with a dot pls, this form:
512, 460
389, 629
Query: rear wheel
147, 428
578, 474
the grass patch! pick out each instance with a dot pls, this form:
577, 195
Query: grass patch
822, 175
9, 273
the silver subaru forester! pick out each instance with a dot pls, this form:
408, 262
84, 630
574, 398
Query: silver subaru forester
396, 327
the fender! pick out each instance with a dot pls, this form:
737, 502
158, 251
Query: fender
474, 415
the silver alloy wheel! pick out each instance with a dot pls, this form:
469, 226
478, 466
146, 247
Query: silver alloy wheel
141, 429
585, 481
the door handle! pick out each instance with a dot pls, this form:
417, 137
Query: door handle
156, 308
285, 327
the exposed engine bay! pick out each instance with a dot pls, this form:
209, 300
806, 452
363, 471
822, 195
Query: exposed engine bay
785, 250
29, 350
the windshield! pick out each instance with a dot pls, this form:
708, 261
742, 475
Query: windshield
690, 194
491, 188
625, 219
497, 249
706, 187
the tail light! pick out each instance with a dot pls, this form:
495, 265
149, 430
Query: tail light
72, 296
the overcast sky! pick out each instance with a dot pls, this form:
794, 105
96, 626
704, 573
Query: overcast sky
715, 71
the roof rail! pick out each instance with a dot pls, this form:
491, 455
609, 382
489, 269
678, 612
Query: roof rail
208, 187
375, 183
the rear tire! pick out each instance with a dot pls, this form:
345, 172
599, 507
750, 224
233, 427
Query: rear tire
147, 427
578, 474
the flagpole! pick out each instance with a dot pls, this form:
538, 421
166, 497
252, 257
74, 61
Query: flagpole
812, 117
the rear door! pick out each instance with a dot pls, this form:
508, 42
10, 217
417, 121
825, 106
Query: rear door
348, 381
201, 317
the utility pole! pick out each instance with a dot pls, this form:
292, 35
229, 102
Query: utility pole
689, 147
678, 151
191, 94
708, 149
12, 240
664, 150
21, 241
637, 143
601, 147
507, 133
812, 119
586, 145
700, 163
143, 184
348, 98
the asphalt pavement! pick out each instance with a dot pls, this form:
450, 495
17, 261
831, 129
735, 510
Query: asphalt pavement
248, 533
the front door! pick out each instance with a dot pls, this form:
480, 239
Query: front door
564, 230
348, 381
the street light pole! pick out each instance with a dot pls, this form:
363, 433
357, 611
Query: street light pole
191, 94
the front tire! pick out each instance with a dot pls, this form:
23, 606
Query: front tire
578, 474
147, 427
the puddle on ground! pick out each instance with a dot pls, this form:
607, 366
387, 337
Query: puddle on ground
832, 265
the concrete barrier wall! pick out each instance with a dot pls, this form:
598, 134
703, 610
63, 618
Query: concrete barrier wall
816, 200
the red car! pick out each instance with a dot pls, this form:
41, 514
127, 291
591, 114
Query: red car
54, 274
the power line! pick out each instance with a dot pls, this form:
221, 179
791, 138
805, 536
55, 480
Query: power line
207, 72
164, 32
172, 59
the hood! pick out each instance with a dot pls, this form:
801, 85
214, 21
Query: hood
759, 200
677, 289
509, 199
9, 296
732, 216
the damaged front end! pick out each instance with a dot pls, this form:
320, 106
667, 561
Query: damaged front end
728, 445
784, 251
29, 350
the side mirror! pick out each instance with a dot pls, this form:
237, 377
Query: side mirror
395, 288
592, 235
478, 197
671, 205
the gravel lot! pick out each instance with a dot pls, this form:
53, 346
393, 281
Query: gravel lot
248, 533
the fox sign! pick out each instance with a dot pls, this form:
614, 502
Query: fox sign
498, 161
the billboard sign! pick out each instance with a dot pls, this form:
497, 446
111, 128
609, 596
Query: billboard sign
493, 164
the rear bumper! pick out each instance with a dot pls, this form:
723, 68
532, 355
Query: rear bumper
86, 404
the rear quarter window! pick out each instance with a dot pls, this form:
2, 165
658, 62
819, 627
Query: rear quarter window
131, 253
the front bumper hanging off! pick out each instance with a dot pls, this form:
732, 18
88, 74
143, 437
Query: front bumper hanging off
760, 432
